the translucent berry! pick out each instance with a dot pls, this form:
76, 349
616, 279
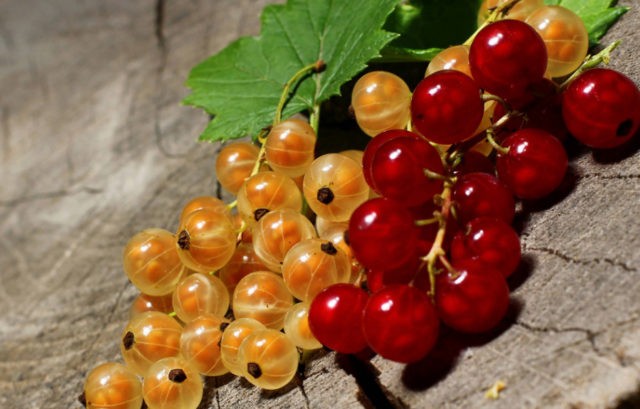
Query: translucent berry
289, 147
144, 303
268, 359
334, 186
447, 107
600, 108
472, 299
200, 344
263, 296
276, 233
265, 192
296, 326
172, 383
565, 37
312, 265
323, 226
243, 262
203, 202
206, 240
232, 337
520, 11
198, 294
234, 164
151, 262
400, 323
452, 58
380, 101
335, 317
148, 338
112, 385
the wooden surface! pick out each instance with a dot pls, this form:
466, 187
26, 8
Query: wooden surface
94, 147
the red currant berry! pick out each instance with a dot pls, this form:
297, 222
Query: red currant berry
506, 57
534, 165
447, 107
335, 317
490, 240
400, 323
480, 194
373, 146
398, 171
473, 299
380, 232
601, 108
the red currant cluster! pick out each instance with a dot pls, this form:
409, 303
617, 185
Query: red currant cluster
488, 120
413, 232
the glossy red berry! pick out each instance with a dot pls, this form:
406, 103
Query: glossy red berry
400, 323
373, 146
481, 194
446, 107
380, 232
506, 57
398, 171
534, 165
491, 241
601, 108
474, 299
335, 317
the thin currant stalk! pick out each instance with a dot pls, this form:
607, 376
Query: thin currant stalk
316, 67
590, 62
497, 14
436, 250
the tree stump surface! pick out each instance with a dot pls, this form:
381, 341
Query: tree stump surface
94, 147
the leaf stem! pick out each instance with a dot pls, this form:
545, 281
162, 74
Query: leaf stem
284, 97
314, 118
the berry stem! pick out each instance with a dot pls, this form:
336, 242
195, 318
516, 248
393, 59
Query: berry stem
436, 250
284, 97
590, 62
490, 138
426, 222
317, 66
433, 175
497, 14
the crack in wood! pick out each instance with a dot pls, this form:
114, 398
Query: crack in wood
609, 177
159, 24
371, 392
590, 335
569, 259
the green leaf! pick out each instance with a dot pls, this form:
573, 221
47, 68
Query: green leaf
597, 15
241, 85
427, 26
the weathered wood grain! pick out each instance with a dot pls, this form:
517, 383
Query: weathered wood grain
94, 147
